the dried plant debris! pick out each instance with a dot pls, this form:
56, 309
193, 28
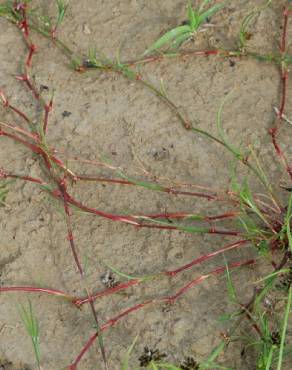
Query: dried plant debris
109, 280
150, 355
189, 364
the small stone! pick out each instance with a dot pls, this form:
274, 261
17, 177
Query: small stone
86, 29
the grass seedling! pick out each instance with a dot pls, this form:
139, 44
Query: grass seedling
3, 191
244, 35
125, 363
31, 325
177, 36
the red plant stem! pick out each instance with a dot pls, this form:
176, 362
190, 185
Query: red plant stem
6, 104
31, 289
70, 235
36, 149
284, 79
161, 188
24, 26
26, 79
123, 286
39, 150
284, 33
157, 58
80, 301
21, 114
33, 136
32, 50
132, 220
48, 108
168, 299
25, 178
206, 257
179, 215
171, 273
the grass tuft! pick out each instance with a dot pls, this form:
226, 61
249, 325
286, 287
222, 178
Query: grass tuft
31, 325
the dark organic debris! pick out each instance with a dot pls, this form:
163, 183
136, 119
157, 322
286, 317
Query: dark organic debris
189, 364
66, 114
109, 280
150, 355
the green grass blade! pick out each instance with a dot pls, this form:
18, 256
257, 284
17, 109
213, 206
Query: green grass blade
153, 366
180, 40
230, 286
209, 13
188, 229
215, 353
144, 184
282, 271
129, 277
204, 3
32, 327
192, 16
284, 329
237, 154
62, 6
167, 38
288, 221
246, 22
270, 358
125, 364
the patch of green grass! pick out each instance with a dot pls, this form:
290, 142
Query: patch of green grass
176, 36
4, 191
31, 325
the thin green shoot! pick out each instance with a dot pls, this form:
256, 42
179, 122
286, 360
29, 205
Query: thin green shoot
162, 365
284, 329
214, 355
287, 224
188, 229
262, 172
230, 286
4, 191
125, 363
62, 6
269, 283
266, 346
238, 155
31, 325
129, 277
282, 271
236, 152
246, 197
243, 34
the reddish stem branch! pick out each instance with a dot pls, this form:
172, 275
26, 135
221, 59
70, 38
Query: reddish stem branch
26, 79
284, 79
31, 289
206, 257
285, 28
167, 299
6, 104
123, 286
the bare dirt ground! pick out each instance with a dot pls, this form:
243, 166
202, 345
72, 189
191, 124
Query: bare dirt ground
117, 119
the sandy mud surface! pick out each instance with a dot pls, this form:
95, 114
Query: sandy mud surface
99, 116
